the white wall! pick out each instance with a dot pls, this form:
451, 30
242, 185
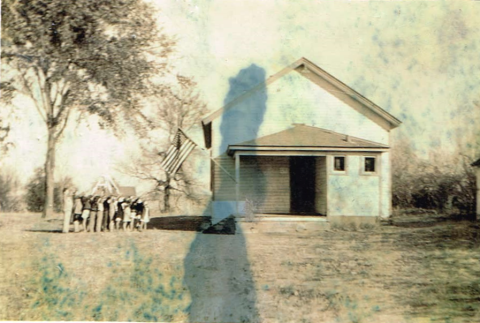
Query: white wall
353, 192
291, 99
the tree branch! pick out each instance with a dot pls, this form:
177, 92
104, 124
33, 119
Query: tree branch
59, 133
30, 93
44, 95
62, 108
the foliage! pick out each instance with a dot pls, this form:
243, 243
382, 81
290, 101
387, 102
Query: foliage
6, 111
9, 186
72, 52
442, 183
35, 192
92, 56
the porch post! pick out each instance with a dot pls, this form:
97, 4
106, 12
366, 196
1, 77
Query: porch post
237, 182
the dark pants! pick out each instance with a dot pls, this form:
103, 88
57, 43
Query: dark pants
106, 219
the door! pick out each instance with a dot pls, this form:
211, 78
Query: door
302, 185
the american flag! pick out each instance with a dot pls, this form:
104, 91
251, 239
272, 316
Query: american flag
181, 147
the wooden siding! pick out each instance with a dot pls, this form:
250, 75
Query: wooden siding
223, 185
266, 182
321, 185
263, 180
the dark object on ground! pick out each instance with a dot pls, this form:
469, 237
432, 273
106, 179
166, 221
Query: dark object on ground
226, 226
181, 223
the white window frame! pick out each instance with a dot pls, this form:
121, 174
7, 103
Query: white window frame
339, 172
376, 172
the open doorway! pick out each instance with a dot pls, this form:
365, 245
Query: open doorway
302, 185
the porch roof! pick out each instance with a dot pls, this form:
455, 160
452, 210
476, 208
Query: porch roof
307, 137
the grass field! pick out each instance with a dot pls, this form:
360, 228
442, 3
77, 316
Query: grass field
418, 268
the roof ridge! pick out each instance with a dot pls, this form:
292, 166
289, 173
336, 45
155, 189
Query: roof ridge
342, 136
351, 137
320, 73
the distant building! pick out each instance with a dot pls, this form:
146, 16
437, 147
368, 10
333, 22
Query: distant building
476, 165
106, 185
301, 143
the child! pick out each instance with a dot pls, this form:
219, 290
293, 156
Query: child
139, 211
126, 214
99, 223
112, 210
67, 209
119, 215
145, 216
106, 213
77, 212
93, 213
86, 206
133, 214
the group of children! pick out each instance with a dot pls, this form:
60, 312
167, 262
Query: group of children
99, 213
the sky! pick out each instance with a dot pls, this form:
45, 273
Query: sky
417, 60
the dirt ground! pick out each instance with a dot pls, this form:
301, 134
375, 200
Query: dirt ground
417, 268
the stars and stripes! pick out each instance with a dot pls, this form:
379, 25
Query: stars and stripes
181, 147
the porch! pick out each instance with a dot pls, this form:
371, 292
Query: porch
287, 174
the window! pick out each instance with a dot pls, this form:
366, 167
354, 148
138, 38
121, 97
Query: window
339, 163
369, 164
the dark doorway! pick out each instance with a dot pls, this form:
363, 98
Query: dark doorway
302, 185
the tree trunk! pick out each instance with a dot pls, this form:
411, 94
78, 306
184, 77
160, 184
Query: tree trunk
49, 174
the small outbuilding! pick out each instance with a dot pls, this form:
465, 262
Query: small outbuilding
300, 143
106, 185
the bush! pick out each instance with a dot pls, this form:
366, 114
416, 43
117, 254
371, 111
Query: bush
445, 185
9, 186
35, 195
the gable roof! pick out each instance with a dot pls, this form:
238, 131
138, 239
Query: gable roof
394, 122
127, 191
302, 136
107, 185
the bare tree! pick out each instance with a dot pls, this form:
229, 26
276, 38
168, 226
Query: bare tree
178, 106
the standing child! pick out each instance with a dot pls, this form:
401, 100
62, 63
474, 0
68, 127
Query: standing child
99, 222
119, 215
67, 209
86, 207
126, 214
139, 210
146, 216
112, 210
133, 214
106, 213
93, 213
77, 212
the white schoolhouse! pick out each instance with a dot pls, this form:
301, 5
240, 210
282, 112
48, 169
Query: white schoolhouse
300, 143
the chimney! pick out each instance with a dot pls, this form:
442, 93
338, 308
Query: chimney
348, 139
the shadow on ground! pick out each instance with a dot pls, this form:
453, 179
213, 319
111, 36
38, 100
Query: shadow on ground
180, 223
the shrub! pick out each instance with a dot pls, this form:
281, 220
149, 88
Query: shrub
35, 195
445, 184
9, 186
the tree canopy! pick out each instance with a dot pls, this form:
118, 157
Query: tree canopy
95, 56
